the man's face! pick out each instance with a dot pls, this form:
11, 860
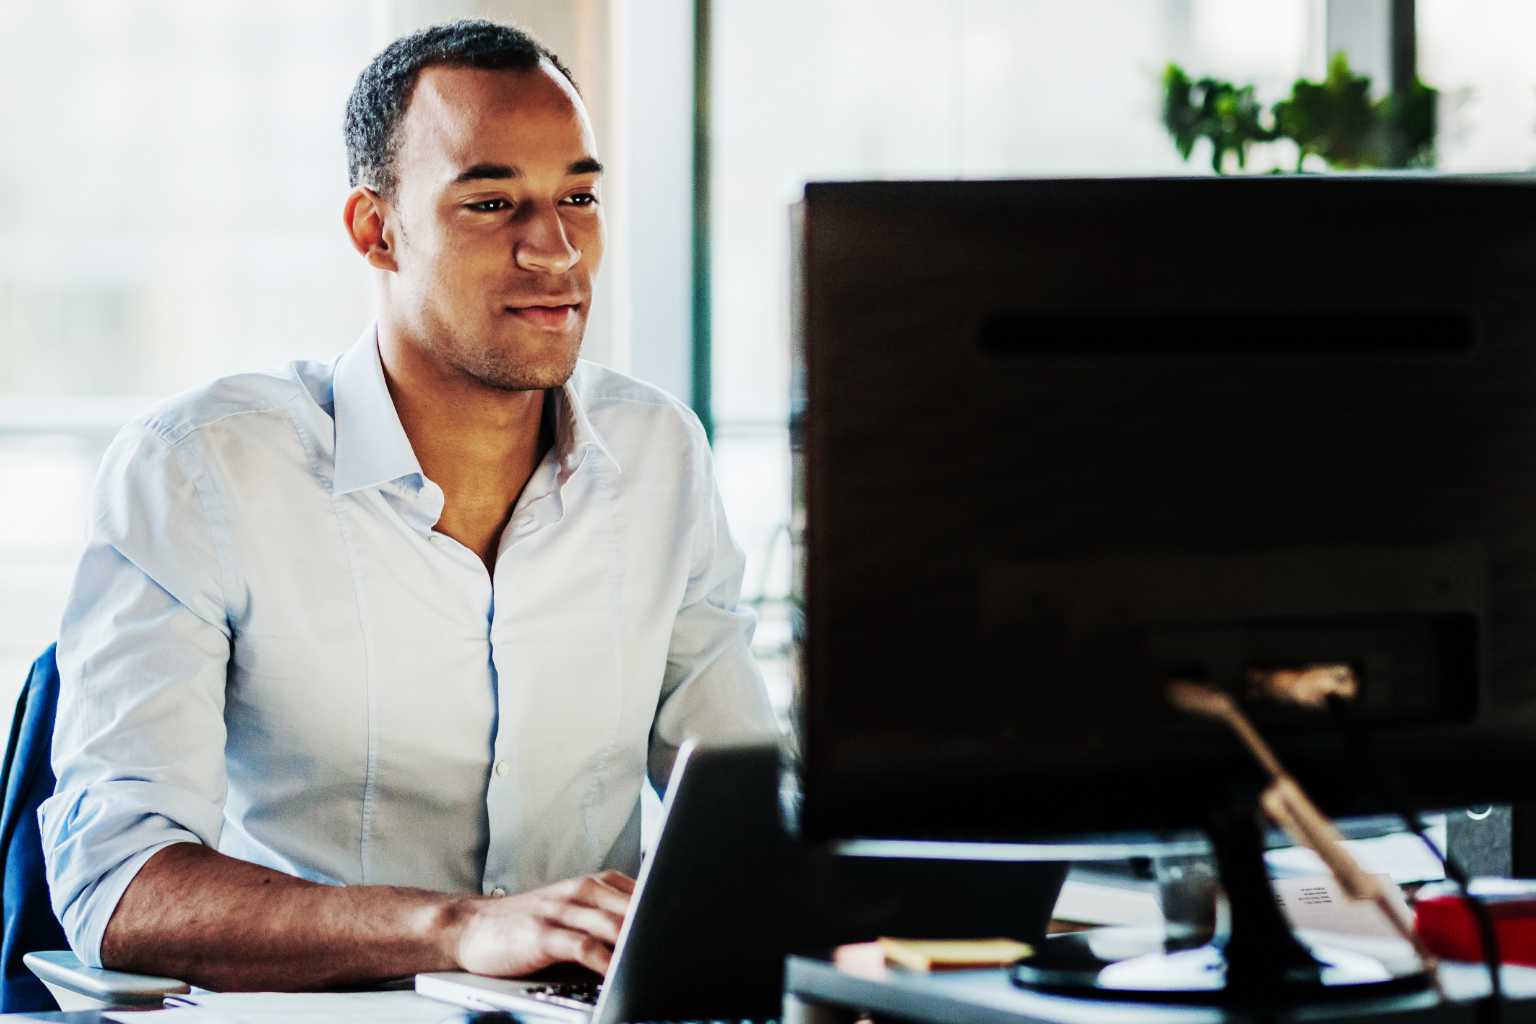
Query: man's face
498, 228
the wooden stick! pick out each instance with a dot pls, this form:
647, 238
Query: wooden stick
1289, 806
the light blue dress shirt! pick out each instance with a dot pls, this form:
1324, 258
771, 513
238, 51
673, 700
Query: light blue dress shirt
269, 650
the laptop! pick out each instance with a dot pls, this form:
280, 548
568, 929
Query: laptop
726, 894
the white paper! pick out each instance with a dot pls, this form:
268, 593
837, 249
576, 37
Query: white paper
300, 1008
1323, 915
1401, 855
1089, 902
1318, 904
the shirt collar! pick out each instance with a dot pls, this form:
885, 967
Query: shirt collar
574, 433
371, 446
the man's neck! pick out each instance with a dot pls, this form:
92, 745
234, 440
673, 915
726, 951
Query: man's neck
479, 444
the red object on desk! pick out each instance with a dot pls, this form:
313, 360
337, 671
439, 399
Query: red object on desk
1450, 930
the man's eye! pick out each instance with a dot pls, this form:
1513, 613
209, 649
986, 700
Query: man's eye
582, 199
488, 205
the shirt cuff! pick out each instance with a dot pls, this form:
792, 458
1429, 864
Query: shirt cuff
86, 936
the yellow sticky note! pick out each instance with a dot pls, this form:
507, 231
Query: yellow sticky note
953, 954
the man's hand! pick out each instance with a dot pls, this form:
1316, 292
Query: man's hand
573, 921
211, 920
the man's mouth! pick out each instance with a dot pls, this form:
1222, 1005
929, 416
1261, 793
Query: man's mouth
549, 318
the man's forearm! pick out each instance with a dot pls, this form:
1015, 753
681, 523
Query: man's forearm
194, 914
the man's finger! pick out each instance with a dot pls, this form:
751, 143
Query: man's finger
593, 893
618, 879
565, 945
600, 924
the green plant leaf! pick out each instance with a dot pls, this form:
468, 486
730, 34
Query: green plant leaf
1333, 118
1229, 116
1407, 122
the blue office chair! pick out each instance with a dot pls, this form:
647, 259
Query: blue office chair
32, 943
28, 918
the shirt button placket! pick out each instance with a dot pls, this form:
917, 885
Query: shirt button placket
502, 768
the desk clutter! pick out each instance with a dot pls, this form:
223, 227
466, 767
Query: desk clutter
1450, 927
823, 990
925, 981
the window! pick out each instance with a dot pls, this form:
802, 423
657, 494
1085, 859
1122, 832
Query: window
1477, 52
170, 216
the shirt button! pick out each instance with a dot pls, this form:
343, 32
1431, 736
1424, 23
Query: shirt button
498, 891
502, 767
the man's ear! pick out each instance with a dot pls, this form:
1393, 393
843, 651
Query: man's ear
365, 217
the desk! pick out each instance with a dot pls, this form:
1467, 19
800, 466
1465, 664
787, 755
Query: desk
817, 992
96, 1016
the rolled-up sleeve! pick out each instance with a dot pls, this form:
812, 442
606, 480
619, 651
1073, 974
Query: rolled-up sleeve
139, 740
712, 688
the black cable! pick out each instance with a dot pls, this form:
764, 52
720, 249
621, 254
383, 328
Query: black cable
1360, 739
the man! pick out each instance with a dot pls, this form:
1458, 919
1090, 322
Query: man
366, 663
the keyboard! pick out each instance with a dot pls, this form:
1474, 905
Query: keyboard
573, 995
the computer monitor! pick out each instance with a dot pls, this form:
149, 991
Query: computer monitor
1060, 442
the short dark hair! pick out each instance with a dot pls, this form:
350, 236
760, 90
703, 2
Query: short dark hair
379, 99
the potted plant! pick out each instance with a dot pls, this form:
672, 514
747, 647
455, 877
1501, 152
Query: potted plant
1334, 120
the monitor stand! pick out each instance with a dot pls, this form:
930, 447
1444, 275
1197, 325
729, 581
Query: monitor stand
1255, 960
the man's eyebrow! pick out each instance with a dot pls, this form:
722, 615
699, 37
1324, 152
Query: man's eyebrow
479, 171
586, 165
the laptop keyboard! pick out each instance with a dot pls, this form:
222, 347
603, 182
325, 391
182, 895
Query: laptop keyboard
583, 994
579, 995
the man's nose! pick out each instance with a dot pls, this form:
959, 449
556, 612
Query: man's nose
543, 246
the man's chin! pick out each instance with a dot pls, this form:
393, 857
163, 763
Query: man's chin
506, 355
523, 374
